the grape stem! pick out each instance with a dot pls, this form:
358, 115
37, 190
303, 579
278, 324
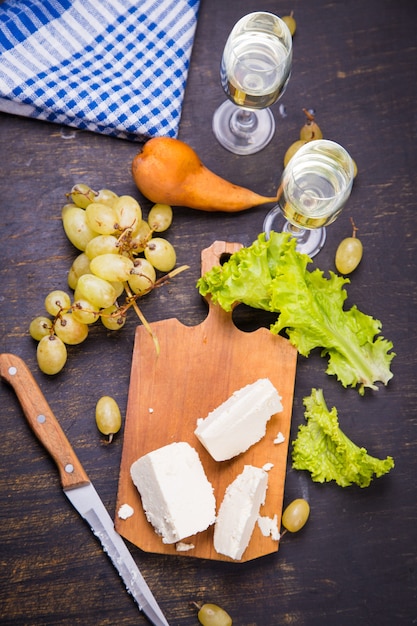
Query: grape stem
124, 241
132, 302
57, 317
171, 274
355, 228
310, 116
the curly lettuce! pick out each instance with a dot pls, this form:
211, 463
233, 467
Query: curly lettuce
272, 275
328, 454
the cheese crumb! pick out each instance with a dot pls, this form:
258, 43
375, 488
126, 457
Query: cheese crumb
125, 511
279, 438
267, 466
269, 527
181, 546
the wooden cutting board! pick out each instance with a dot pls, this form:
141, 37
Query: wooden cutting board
197, 369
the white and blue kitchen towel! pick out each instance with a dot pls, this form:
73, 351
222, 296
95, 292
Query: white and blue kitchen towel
117, 67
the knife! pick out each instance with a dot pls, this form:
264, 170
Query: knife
76, 484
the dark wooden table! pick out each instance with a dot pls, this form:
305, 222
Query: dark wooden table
355, 561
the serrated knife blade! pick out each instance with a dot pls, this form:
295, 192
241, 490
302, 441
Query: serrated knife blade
76, 484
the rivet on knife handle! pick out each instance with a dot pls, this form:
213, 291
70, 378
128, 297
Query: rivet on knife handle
42, 421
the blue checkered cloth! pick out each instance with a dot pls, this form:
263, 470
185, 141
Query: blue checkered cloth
117, 67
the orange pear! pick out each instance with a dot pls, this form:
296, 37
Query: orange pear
168, 171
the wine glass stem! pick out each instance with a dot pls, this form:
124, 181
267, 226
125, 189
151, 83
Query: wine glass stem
295, 230
243, 122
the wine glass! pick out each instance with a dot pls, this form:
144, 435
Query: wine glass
254, 72
315, 186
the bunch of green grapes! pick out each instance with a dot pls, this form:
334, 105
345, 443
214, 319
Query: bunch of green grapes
118, 254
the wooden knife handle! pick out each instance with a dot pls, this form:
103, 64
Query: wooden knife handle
42, 421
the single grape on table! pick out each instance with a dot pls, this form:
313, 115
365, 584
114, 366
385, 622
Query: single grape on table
310, 130
296, 514
212, 615
349, 253
290, 22
108, 417
116, 254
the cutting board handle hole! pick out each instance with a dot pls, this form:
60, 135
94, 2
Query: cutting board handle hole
224, 257
248, 319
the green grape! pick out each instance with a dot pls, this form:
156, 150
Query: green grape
290, 22
111, 322
111, 267
349, 254
108, 417
101, 218
57, 301
161, 254
296, 145
143, 277
85, 312
310, 130
118, 287
67, 207
140, 238
296, 515
102, 244
76, 227
213, 615
160, 217
128, 213
80, 266
51, 354
70, 330
39, 327
96, 290
106, 196
82, 195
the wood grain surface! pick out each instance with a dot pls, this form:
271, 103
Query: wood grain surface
198, 368
355, 561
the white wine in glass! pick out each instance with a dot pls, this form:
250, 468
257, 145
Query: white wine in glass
254, 72
315, 186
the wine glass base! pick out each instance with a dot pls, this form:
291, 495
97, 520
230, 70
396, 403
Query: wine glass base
308, 241
243, 131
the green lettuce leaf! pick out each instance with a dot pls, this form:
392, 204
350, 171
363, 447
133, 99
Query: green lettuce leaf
272, 275
327, 453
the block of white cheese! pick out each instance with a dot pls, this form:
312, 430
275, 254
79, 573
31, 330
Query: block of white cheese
239, 512
240, 421
177, 497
